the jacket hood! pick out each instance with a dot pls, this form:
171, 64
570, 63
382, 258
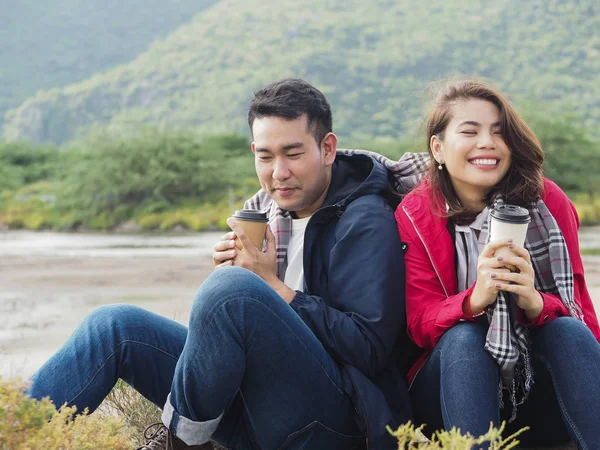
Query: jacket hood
354, 176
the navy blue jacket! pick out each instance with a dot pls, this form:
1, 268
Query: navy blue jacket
353, 299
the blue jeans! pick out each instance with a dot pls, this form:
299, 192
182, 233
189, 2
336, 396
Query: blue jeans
247, 372
458, 385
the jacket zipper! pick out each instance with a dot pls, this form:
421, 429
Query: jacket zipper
466, 248
426, 249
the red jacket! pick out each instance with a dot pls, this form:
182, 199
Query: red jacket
433, 303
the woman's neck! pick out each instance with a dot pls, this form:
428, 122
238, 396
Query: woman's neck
473, 200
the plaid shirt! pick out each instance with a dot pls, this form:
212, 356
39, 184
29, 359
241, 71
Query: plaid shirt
406, 173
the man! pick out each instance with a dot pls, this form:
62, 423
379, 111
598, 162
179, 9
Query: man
293, 347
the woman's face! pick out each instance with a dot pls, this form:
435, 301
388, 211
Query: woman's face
473, 150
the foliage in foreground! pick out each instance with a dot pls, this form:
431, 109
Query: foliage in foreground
27, 424
410, 437
133, 408
137, 412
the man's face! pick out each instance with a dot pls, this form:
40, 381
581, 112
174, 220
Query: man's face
291, 166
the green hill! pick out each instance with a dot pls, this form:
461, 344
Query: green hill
372, 59
53, 43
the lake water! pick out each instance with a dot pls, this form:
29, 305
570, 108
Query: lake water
26, 243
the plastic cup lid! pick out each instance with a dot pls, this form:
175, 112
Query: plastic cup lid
250, 215
511, 214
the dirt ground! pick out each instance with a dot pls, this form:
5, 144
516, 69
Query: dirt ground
43, 298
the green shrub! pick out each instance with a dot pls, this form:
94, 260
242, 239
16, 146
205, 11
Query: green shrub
151, 167
102, 221
190, 216
172, 220
68, 221
31, 207
37, 221
410, 437
23, 163
133, 408
27, 424
126, 403
150, 222
152, 207
13, 220
119, 423
588, 208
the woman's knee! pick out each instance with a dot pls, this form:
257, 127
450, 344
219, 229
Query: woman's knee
568, 333
465, 337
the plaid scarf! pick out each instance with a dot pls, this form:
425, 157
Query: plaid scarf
405, 175
507, 339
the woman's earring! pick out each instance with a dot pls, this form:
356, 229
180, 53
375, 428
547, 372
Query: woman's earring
440, 167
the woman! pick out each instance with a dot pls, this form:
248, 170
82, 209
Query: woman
520, 346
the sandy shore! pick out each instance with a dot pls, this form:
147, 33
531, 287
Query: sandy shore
43, 298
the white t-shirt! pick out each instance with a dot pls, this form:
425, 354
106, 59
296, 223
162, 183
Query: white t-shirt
467, 243
294, 274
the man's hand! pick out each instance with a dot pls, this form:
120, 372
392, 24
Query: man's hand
224, 251
263, 264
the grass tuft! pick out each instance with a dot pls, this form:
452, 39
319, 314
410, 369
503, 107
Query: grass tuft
411, 438
26, 424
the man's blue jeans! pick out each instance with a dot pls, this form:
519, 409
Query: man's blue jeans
247, 372
458, 385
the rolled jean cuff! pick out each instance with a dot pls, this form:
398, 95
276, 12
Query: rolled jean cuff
190, 432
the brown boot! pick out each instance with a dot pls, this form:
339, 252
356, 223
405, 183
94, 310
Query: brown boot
158, 437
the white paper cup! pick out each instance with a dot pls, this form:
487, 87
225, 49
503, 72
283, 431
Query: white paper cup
509, 222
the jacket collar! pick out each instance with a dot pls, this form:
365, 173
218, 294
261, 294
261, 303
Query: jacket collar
431, 228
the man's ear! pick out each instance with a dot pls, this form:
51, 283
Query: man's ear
253, 147
329, 148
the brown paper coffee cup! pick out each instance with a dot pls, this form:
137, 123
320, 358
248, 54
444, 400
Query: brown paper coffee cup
254, 224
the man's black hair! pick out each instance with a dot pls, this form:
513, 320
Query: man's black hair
289, 99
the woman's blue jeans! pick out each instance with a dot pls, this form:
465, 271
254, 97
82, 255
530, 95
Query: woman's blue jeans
458, 385
247, 372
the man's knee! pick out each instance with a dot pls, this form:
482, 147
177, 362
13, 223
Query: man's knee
229, 285
110, 315
111, 319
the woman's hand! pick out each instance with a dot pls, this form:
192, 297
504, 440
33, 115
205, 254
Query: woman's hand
486, 289
520, 282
